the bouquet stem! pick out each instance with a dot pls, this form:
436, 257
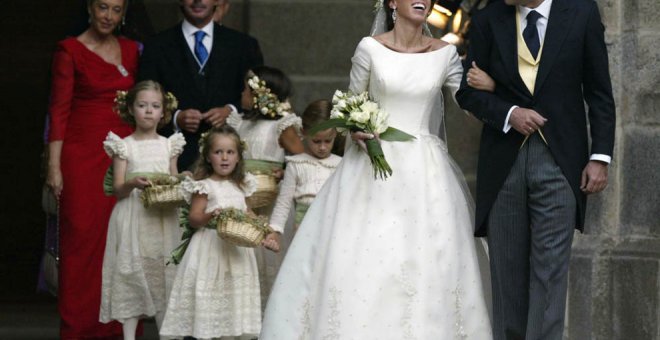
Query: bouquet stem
381, 168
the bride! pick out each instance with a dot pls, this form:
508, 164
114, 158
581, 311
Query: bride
391, 259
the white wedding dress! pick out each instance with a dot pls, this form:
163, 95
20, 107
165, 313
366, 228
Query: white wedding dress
391, 259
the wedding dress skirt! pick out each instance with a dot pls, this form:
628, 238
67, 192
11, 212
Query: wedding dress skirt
393, 259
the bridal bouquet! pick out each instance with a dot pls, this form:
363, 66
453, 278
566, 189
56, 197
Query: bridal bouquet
356, 112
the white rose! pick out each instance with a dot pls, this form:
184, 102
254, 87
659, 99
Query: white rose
264, 110
336, 114
341, 104
360, 116
337, 96
369, 107
379, 122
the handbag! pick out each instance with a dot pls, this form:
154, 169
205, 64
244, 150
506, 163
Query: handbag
48, 201
51, 257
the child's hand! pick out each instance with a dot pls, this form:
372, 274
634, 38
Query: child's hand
277, 173
187, 173
479, 79
272, 242
140, 182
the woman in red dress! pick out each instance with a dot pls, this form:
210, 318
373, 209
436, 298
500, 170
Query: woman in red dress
87, 72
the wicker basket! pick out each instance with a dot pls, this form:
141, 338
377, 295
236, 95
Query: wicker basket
266, 192
162, 196
241, 230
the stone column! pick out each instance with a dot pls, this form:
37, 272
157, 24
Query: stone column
614, 278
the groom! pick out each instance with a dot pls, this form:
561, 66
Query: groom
547, 57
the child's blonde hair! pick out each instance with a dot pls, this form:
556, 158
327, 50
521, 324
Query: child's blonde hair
204, 169
125, 99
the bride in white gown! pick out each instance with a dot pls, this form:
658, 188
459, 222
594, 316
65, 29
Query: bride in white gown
392, 259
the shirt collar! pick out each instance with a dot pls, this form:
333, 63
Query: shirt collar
543, 9
189, 29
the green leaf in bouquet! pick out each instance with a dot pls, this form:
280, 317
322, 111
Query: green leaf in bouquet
379, 164
395, 135
328, 124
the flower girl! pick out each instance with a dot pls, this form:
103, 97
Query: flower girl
136, 281
306, 172
268, 125
270, 129
216, 290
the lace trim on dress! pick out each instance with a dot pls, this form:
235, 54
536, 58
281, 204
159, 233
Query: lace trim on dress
213, 308
333, 319
306, 320
330, 162
411, 292
288, 121
249, 185
115, 146
176, 143
189, 187
458, 307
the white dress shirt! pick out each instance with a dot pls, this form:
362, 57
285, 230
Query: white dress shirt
189, 34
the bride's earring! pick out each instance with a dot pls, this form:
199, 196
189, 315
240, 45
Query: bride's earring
394, 15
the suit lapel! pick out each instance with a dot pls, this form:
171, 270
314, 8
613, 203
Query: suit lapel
558, 26
180, 52
216, 58
505, 33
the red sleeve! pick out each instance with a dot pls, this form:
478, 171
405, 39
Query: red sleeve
61, 93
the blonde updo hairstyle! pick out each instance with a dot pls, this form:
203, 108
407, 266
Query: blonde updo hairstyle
125, 100
91, 3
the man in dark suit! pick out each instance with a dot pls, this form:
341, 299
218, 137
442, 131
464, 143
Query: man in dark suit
547, 58
203, 64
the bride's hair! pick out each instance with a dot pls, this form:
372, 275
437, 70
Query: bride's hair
388, 13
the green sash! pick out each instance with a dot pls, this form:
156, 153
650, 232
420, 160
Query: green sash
109, 175
301, 210
256, 166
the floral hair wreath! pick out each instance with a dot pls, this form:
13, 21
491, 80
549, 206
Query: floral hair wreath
264, 100
121, 105
203, 140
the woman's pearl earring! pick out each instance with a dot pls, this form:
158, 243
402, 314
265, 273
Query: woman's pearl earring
394, 15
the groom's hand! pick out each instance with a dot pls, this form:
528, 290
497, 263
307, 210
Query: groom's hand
526, 121
594, 177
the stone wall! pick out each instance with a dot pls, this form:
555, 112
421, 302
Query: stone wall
615, 272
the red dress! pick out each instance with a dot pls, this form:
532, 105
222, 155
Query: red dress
82, 95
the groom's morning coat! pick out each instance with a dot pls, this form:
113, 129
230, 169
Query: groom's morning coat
573, 69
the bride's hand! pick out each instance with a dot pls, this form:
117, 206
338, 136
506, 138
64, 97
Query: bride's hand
359, 137
479, 79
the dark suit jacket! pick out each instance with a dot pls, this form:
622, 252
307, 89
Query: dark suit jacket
573, 69
168, 60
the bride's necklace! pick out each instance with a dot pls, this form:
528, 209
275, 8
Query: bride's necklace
417, 47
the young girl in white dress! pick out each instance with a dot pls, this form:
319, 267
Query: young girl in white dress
136, 281
271, 130
216, 290
306, 172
